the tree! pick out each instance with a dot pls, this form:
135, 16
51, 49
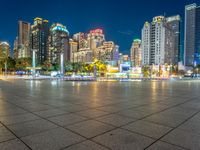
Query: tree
145, 71
23, 63
47, 66
68, 66
11, 64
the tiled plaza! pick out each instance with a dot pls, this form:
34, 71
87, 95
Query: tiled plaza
60, 115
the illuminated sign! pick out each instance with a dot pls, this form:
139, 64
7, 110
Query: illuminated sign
96, 31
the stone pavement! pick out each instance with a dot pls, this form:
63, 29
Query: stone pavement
57, 115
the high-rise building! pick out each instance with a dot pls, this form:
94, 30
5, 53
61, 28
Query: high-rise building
39, 40
4, 50
95, 39
90, 45
192, 35
59, 43
15, 49
24, 29
174, 23
136, 53
106, 51
73, 49
157, 42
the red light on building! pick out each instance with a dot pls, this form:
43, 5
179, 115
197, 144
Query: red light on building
96, 31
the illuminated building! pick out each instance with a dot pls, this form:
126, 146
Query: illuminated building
4, 49
192, 35
24, 29
105, 52
126, 58
136, 53
81, 38
59, 43
73, 49
174, 23
39, 40
158, 42
95, 39
92, 46
15, 49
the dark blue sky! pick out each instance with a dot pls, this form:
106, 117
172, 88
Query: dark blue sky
121, 20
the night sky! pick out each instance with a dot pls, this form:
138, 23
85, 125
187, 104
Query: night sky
122, 20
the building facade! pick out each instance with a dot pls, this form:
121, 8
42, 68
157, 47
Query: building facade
158, 42
93, 46
58, 43
24, 29
174, 23
4, 50
136, 53
40, 40
192, 35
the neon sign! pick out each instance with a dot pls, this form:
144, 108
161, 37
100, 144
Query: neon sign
97, 31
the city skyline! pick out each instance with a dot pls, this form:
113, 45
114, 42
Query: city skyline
122, 29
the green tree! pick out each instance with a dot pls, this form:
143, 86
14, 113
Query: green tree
47, 66
11, 64
23, 63
146, 71
68, 66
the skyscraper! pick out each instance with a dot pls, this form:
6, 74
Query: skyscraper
174, 23
157, 42
136, 53
24, 29
192, 35
39, 40
59, 43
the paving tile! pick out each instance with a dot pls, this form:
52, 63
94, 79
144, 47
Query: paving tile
90, 128
50, 113
13, 145
134, 113
180, 112
170, 121
115, 120
67, 119
192, 127
5, 134
92, 113
123, 140
8, 120
116, 107
12, 111
54, 139
36, 107
73, 108
164, 146
151, 108
87, 145
183, 139
148, 129
32, 127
